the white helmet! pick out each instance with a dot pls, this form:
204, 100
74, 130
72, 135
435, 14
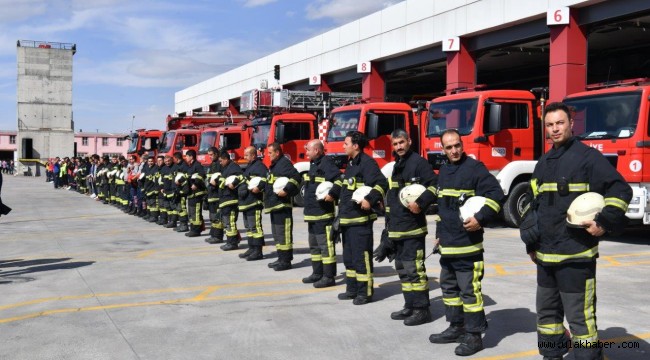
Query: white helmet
179, 177
359, 194
410, 193
254, 182
280, 183
196, 176
471, 207
214, 176
231, 179
323, 189
141, 176
584, 208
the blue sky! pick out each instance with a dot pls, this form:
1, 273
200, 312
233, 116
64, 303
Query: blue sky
132, 56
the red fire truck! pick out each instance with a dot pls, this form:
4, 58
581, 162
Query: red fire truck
377, 121
143, 141
613, 118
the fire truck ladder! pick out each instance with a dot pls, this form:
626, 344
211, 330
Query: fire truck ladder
316, 101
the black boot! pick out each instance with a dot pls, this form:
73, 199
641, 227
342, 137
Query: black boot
154, 217
317, 273
162, 220
273, 264
324, 282
194, 231
350, 289
256, 254
419, 317
454, 333
470, 345
401, 314
182, 227
216, 236
246, 253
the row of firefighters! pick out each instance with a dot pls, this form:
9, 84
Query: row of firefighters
175, 188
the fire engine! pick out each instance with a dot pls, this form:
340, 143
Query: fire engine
377, 121
183, 132
613, 118
289, 117
143, 141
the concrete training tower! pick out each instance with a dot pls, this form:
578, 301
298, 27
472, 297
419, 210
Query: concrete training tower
44, 100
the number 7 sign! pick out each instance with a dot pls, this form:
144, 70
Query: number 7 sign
451, 43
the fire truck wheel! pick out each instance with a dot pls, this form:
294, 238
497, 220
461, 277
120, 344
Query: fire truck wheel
515, 204
299, 199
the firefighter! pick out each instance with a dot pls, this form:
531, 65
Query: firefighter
319, 215
166, 190
216, 226
151, 190
196, 183
180, 193
407, 228
356, 219
279, 205
251, 204
229, 199
565, 256
461, 244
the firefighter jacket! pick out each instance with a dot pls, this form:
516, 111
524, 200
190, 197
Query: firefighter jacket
213, 190
229, 197
281, 167
361, 170
560, 176
320, 170
183, 183
150, 180
248, 199
167, 178
457, 182
196, 177
410, 169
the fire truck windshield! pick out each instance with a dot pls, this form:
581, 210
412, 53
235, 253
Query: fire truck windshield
455, 114
167, 141
606, 116
208, 139
341, 123
133, 145
261, 136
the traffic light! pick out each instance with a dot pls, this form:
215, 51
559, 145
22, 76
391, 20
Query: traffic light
276, 72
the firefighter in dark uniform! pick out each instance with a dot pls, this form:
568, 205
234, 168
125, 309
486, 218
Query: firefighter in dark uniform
181, 192
280, 205
565, 256
461, 244
229, 200
196, 182
319, 215
102, 179
216, 226
251, 205
407, 228
151, 190
166, 191
357, 219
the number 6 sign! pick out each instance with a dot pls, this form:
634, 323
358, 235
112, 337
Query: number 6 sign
451, 44
557, 16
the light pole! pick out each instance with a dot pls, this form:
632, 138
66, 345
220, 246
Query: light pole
132, 121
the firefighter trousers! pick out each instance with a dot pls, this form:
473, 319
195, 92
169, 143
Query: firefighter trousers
229, 215
282, 229
357, 258
567, 290
460, 282
195, 212
321, 248
253, 224
181, 209
216, 226
409, 264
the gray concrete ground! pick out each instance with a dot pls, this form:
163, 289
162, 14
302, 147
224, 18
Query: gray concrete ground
81, 280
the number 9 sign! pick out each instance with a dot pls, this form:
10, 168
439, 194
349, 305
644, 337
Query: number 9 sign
314, 80
557, 16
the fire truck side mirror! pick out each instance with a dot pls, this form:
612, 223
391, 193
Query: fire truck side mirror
279, 133
494, 118
372, 125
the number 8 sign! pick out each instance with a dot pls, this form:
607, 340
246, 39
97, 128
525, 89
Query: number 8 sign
363, 67
557, 16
